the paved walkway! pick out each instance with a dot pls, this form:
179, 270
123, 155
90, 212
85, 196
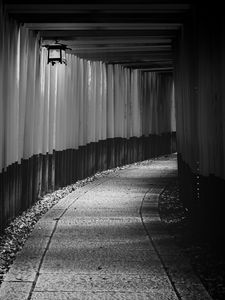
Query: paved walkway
105, 241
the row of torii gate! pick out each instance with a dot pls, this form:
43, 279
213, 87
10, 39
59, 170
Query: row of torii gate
62, 123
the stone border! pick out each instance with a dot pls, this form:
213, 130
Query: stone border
185, 282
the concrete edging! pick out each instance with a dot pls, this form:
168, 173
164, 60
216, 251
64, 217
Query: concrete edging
185, 282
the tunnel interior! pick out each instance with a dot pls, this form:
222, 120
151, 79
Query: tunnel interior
142, 79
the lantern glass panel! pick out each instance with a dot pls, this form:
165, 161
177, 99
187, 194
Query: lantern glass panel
63, 55
54, 54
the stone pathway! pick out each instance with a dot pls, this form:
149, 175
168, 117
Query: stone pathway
106, 241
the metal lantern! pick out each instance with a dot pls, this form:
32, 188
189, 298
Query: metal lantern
56, 53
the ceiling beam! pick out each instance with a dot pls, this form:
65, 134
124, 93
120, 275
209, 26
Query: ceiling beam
108, 49
147, 64
103, 26
73, 40
117, 58
40, 8
106, 34
160, 70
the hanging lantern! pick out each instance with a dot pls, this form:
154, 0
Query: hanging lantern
56, 53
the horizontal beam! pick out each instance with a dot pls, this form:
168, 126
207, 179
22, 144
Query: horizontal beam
76, 41
105, 35
107, 8
148, 64
117, 58
98, 17
145, 54
108, 49
162, 70
103, 26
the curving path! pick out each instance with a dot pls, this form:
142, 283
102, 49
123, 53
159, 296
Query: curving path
105, 241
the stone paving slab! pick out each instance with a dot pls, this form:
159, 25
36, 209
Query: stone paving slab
135, 244
104, 213
106, 241
89, 219
108, 282
96, 232
151, 295
102, 253
136, 260
15, 290
102, 267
